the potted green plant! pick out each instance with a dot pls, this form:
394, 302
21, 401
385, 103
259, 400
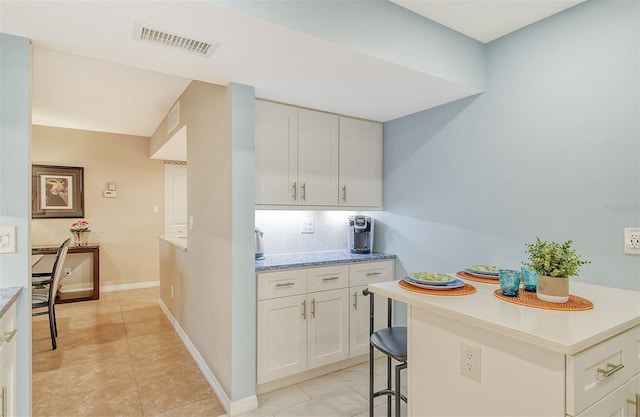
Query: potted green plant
554, 263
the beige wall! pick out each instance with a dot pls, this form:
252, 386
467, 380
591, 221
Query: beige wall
126, 226
206, 295
216, 301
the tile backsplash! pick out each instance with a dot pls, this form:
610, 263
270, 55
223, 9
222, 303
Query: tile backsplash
282, 230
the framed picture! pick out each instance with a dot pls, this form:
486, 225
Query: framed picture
57, 192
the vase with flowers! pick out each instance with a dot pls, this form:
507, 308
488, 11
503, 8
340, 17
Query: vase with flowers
80, 230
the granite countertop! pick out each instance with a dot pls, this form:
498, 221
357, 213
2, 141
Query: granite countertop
311, 259
8, 296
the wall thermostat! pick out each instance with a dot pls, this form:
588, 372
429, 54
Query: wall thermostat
110, 194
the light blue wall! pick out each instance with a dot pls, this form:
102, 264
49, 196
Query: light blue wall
381, 29
15, 195
550, 149
243, 313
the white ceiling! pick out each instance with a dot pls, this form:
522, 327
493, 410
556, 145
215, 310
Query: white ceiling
89, 73
486, 20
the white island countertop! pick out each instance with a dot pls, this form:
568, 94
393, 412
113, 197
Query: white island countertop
568, 332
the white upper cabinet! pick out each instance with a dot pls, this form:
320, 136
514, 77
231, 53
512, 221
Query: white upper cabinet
317, 158
276, 153
360, 163
311, 158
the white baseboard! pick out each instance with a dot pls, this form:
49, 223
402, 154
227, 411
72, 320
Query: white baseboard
233, 408
122, 287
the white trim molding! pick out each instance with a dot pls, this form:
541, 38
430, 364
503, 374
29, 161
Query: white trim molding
233, 408
123, 287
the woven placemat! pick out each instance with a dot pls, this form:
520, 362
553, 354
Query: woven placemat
530, 299
464, 290
469, 277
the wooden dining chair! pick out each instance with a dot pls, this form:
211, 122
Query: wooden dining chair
50, 281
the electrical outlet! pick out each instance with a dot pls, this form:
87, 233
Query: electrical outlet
306, 226
632, 241
67, 272
7, 239
470, 360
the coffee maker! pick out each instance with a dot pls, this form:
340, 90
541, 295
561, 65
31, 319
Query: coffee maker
360, 234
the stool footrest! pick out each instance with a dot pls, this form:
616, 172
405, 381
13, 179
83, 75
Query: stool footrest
388, 392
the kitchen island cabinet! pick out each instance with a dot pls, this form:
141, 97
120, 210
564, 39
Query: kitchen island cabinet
531, 361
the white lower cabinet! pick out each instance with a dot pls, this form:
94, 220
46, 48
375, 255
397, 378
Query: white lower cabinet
8, 362
282, 345
360, 275
328, 327
603, 377
359, 320
308, 318
618, 403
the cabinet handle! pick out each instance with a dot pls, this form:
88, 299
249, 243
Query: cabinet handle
304, 191
295, 190
344, 193
8, 336
4, 401
313, 308
636, 403
614, 368
330, 279
355, 300
370, 274
285, 284
304, 309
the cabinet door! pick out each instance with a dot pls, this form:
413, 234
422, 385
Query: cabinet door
282, 337
317, 158
360, 163
617, 402
359, 320
276, 153
328, 327
8, 383
8, 379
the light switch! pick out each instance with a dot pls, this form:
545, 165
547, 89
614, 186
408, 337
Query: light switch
190, 222
7, 239
156, 209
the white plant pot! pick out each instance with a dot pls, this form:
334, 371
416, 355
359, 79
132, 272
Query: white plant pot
553, 289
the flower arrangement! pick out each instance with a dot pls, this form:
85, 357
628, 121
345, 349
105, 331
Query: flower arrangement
553, 259
80, 226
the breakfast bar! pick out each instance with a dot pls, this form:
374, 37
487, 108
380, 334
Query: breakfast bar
525, 360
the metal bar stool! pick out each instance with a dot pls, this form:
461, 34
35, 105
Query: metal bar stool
392, 341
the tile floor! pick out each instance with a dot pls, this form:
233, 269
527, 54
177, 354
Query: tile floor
113, 356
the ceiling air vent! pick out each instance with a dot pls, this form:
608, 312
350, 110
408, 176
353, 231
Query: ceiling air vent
173, 118
148, 34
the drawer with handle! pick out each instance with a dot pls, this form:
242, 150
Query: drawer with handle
599, 370
370, 272
8, 328
328, 278
282, 283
